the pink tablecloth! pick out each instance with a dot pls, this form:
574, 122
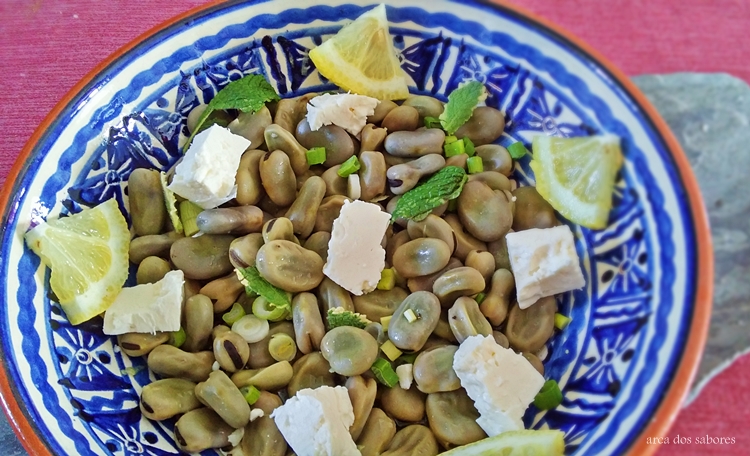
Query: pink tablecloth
46, 46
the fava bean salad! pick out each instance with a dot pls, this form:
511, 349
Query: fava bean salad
342, 273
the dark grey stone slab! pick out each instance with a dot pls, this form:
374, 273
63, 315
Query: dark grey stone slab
710, 115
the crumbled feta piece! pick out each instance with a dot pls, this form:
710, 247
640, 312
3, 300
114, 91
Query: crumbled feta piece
544, 263
501, 383
353, 188
355, 256
256, 413
236, 437
206, 175
315, 422
147, 308
347, 110
405, 374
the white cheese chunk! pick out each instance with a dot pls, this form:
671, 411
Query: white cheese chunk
501, 383
544, 263
347, 110
315, 422
206, 174
355, 256
147, 308
405, 374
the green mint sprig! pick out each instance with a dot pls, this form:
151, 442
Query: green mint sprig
248, 94
443, 186
254, 282
461, 104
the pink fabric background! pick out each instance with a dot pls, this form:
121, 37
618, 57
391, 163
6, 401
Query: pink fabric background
46, 46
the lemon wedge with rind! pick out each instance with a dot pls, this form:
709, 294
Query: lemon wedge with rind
361, 58
577, 175
88, 257
515, 443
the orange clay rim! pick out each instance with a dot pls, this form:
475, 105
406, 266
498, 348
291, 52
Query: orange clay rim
698, 331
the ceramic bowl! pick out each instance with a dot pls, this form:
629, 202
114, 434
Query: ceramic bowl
625, 362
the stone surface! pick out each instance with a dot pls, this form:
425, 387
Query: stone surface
710, 116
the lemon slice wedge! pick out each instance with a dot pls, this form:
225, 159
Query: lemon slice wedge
515, 443
577, 175
88, 255
361, 58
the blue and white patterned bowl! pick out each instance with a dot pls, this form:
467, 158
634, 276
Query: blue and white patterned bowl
625, 362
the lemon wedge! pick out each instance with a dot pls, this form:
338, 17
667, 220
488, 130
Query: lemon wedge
515, 443
361, 58
577, 175
88, 255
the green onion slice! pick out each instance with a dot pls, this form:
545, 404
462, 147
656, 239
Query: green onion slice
474, 165
177, 338
250, 393
469, 148
349, 167
432, 122
549, 396
234, 314
517, 150
384, 372
480, 297
454, 148
561, 321
266, 310
316, 155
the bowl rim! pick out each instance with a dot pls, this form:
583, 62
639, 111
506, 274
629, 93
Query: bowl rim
679, 386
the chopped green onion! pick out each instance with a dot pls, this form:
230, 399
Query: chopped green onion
251, 328
132, 370
549, 396
281, 347
250, 393
188, 214
432, 122
177, 338
480, 297
316, 155
561, 321
384, 372
266, 310
349, 167
469, 147
410, 316
450, 139
234, 314
390, 350
474, 165
385, 321
387, 279
454, 148
517, 150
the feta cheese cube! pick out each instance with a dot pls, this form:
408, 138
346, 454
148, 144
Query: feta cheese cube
147, 308
355, 256
206, 175
544, 263
347, 110
501, 382
315, 422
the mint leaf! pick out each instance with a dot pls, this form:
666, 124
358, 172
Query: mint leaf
254, 282
461, 104
248, 94
443, 186
339, 317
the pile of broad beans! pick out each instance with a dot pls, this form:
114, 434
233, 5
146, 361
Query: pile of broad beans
281, 221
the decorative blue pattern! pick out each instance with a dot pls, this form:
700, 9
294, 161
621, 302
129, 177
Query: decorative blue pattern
612, 314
